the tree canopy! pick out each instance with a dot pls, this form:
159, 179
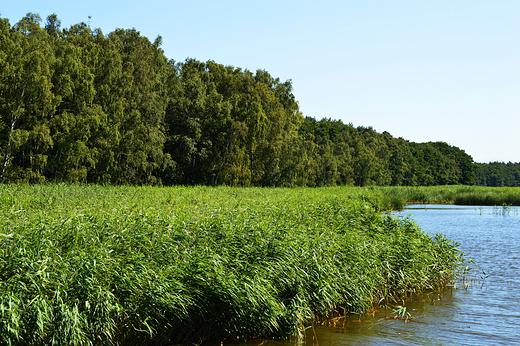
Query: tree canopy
77, 105
498, 174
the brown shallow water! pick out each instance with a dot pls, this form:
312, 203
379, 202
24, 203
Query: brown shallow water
485, 313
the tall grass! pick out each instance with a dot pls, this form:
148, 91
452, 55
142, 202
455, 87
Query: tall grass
92, 265
399, 196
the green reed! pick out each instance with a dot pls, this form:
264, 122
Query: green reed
93, 265
396, 197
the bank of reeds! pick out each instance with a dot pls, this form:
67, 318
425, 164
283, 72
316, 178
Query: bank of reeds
92, 265
399, 196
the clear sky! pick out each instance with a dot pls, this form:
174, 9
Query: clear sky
422, 70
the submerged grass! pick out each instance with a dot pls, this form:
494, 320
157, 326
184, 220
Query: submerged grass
92, 265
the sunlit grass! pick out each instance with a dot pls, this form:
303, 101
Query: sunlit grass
396, 197
93, 265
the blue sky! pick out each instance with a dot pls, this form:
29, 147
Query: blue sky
422, 70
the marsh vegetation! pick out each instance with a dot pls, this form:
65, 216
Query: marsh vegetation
93, 265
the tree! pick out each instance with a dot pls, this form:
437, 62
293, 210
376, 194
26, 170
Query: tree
27, 100
140, 126
77, 119
79, 106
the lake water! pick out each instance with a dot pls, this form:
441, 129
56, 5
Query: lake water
485, 313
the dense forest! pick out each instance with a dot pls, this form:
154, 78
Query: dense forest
498, 174
77, 105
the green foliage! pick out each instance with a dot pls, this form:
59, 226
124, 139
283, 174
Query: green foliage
229, 127
26, 98
498, 174
390, 197
92, 265
363, 157
83, 107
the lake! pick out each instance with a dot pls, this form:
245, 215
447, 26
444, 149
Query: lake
486, 312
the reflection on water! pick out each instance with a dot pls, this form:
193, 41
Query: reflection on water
487, 313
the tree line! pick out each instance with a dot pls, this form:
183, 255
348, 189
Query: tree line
77, 105
498, 174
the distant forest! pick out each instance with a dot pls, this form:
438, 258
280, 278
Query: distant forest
498, 174
77, 105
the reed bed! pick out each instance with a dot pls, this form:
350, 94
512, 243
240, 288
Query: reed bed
396, 197
93, 265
